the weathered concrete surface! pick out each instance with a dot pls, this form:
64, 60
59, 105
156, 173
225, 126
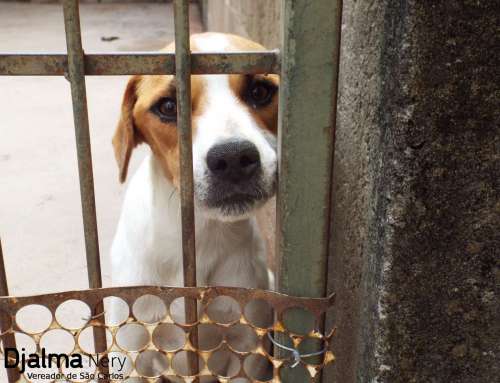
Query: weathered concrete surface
256, 19
417, 211
439, 193
352, 263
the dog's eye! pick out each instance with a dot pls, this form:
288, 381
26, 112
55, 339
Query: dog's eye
166, 109
260, 93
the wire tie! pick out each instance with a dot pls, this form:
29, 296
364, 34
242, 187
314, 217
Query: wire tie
296, 355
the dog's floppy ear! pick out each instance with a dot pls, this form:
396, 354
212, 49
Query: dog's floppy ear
126, 138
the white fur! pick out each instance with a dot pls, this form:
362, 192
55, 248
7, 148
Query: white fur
225, 118
147, 246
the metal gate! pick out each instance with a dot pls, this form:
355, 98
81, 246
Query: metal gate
308, 66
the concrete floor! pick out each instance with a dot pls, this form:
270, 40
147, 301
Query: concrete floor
40, 214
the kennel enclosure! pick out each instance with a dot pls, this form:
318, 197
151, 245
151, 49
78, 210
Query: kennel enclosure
308, 68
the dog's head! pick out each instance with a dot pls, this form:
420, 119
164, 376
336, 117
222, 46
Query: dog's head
234, 123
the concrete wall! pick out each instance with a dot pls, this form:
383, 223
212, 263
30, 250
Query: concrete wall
416, 197
257, 19
416, 243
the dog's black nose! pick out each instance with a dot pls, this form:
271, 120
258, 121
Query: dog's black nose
234, 161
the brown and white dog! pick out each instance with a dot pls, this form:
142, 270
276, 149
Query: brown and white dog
234, 123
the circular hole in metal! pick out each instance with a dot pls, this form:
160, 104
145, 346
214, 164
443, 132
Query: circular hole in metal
181, 363
57, 341
132, 337
169, 337
177, 310
224, 309
33, 319
224, 363
149, 309
80, 374
298, 372
120, 365
298, 320
116, 311
242, 338
258, 367
209, 337
86, 339
310, 346
24, 343
259, 313
151, 363
73, 314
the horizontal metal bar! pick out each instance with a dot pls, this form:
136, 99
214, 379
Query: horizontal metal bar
112, 64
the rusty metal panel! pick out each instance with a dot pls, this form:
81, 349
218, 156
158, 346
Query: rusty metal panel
306, 140
113, 64
241, 298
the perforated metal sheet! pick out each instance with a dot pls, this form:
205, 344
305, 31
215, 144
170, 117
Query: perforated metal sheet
62, 323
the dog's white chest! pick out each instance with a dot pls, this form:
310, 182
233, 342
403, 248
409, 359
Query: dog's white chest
147, 245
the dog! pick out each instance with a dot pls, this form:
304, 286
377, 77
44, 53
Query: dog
234, 128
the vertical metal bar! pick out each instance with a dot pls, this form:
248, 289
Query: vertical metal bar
76, 73
76, 76
306, 131
8, 340
183, 83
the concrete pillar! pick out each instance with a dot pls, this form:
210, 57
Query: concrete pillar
416, 228
256, 19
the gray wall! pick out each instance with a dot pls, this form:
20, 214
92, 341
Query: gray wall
416, 204
257, 19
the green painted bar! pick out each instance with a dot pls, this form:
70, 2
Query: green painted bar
76, 76
113, 64
306, 139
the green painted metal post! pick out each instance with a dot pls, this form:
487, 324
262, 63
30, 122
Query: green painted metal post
309, 68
